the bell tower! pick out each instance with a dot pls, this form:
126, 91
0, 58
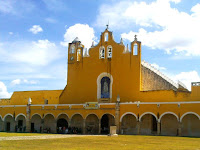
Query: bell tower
75, 51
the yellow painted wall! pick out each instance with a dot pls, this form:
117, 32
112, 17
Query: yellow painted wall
37, 97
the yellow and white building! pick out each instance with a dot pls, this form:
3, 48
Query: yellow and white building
107, 86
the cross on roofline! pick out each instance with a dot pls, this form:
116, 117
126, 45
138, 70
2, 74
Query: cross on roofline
135, 37
107, 26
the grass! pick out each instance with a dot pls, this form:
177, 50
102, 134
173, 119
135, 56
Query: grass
5, 134
121, 142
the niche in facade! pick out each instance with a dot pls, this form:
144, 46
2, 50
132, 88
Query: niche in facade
105, 87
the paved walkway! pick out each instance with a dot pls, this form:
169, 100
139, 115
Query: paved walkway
42, 137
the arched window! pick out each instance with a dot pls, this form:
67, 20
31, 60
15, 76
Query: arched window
135, 49
109, 51
102, 53
106, 37
78, 55
72, 49
105, 87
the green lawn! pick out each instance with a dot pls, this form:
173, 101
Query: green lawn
105, 143
5, 134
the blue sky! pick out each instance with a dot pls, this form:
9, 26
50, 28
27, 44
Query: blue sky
34, 37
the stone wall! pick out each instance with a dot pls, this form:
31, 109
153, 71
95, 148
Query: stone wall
153, 81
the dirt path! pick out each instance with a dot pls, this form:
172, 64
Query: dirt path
42, 137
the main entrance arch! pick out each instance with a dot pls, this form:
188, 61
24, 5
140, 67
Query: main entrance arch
107, 120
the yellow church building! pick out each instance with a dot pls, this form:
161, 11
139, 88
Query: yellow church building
107, 86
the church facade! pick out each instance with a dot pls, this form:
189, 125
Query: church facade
107, 86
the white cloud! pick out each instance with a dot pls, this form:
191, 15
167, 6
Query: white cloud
22, 81
3, 91
187, 78
172, 30
16, 7
40, 52
16, 82
83, 31
50, 20
56, 5
36, 29
11, 33
158, 67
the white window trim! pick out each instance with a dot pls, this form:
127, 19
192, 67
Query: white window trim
78, 53
104, 74
100, 55
72, 46
109, 46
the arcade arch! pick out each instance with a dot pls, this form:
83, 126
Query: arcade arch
128, 123
92, 124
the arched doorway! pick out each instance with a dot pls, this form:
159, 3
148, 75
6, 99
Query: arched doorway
49, 124
20, 123
77, 124
92, 124
107, 120
105, 87
128, 124
169, 125
148, 125
9, 123
36, 123
190, 125
62, 125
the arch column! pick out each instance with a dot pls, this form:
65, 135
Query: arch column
179, 128
99, 126
42, 125
70, 122
83, 126
3, 126
158, 128
138, 127
117, 114
28, 120
15, 125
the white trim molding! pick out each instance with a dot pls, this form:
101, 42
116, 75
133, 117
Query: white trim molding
7, 115
189, 113
128, 113
146, 113
107, 114
170, 113
91, 114
49, 114
76, 114
62, 114
36, 114
104, 74
20, 114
